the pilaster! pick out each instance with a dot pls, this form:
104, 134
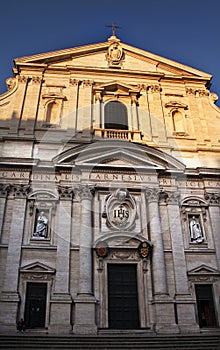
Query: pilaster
185, 305
61, 300
164, 310
9, 297
156, 113
4, 190
214, 211
85, 302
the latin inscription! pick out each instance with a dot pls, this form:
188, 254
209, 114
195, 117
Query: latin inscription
40, 177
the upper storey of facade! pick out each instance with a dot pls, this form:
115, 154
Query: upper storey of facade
109, 90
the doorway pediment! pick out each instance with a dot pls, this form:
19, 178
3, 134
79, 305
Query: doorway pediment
203, 270
37, 267
118, 154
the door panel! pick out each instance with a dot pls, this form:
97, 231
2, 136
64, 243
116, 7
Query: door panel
205, 305
35, 306
122, 296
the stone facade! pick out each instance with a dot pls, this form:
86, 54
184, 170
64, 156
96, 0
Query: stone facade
109, 193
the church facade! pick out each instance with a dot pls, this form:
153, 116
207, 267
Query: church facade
109, 193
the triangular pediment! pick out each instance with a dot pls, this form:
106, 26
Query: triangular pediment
37, 267
116, 87
203, 270
94, 57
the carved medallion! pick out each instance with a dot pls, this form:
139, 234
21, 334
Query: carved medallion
115, 54
120, 210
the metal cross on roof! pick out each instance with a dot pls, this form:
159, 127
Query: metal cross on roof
113, 26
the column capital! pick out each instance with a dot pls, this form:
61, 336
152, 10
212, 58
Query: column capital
20, 190
152, 194
171, 197
154, 88
74, 82
4, 190
212, 198
84, 192
37, 80
65, 192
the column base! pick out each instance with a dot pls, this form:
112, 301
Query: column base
85, 311
60, 313
9, 302
185, 308
165, 315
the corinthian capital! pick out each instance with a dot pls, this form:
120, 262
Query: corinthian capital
65, 192
4, 190
20, 190
212, 198
172, 197
84, 192
154, 88
152, 194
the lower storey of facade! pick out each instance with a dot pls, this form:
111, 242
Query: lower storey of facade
122, 298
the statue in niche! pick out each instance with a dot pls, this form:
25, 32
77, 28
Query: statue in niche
195, 231
41, 229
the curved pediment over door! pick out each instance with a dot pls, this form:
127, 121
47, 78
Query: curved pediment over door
118, 155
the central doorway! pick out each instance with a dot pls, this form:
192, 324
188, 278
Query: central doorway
122, 296
35, 306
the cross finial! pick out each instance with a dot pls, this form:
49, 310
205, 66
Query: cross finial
113, 26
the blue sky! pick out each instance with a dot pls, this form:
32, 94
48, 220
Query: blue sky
185, 31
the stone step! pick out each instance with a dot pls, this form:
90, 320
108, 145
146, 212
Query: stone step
116, 342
